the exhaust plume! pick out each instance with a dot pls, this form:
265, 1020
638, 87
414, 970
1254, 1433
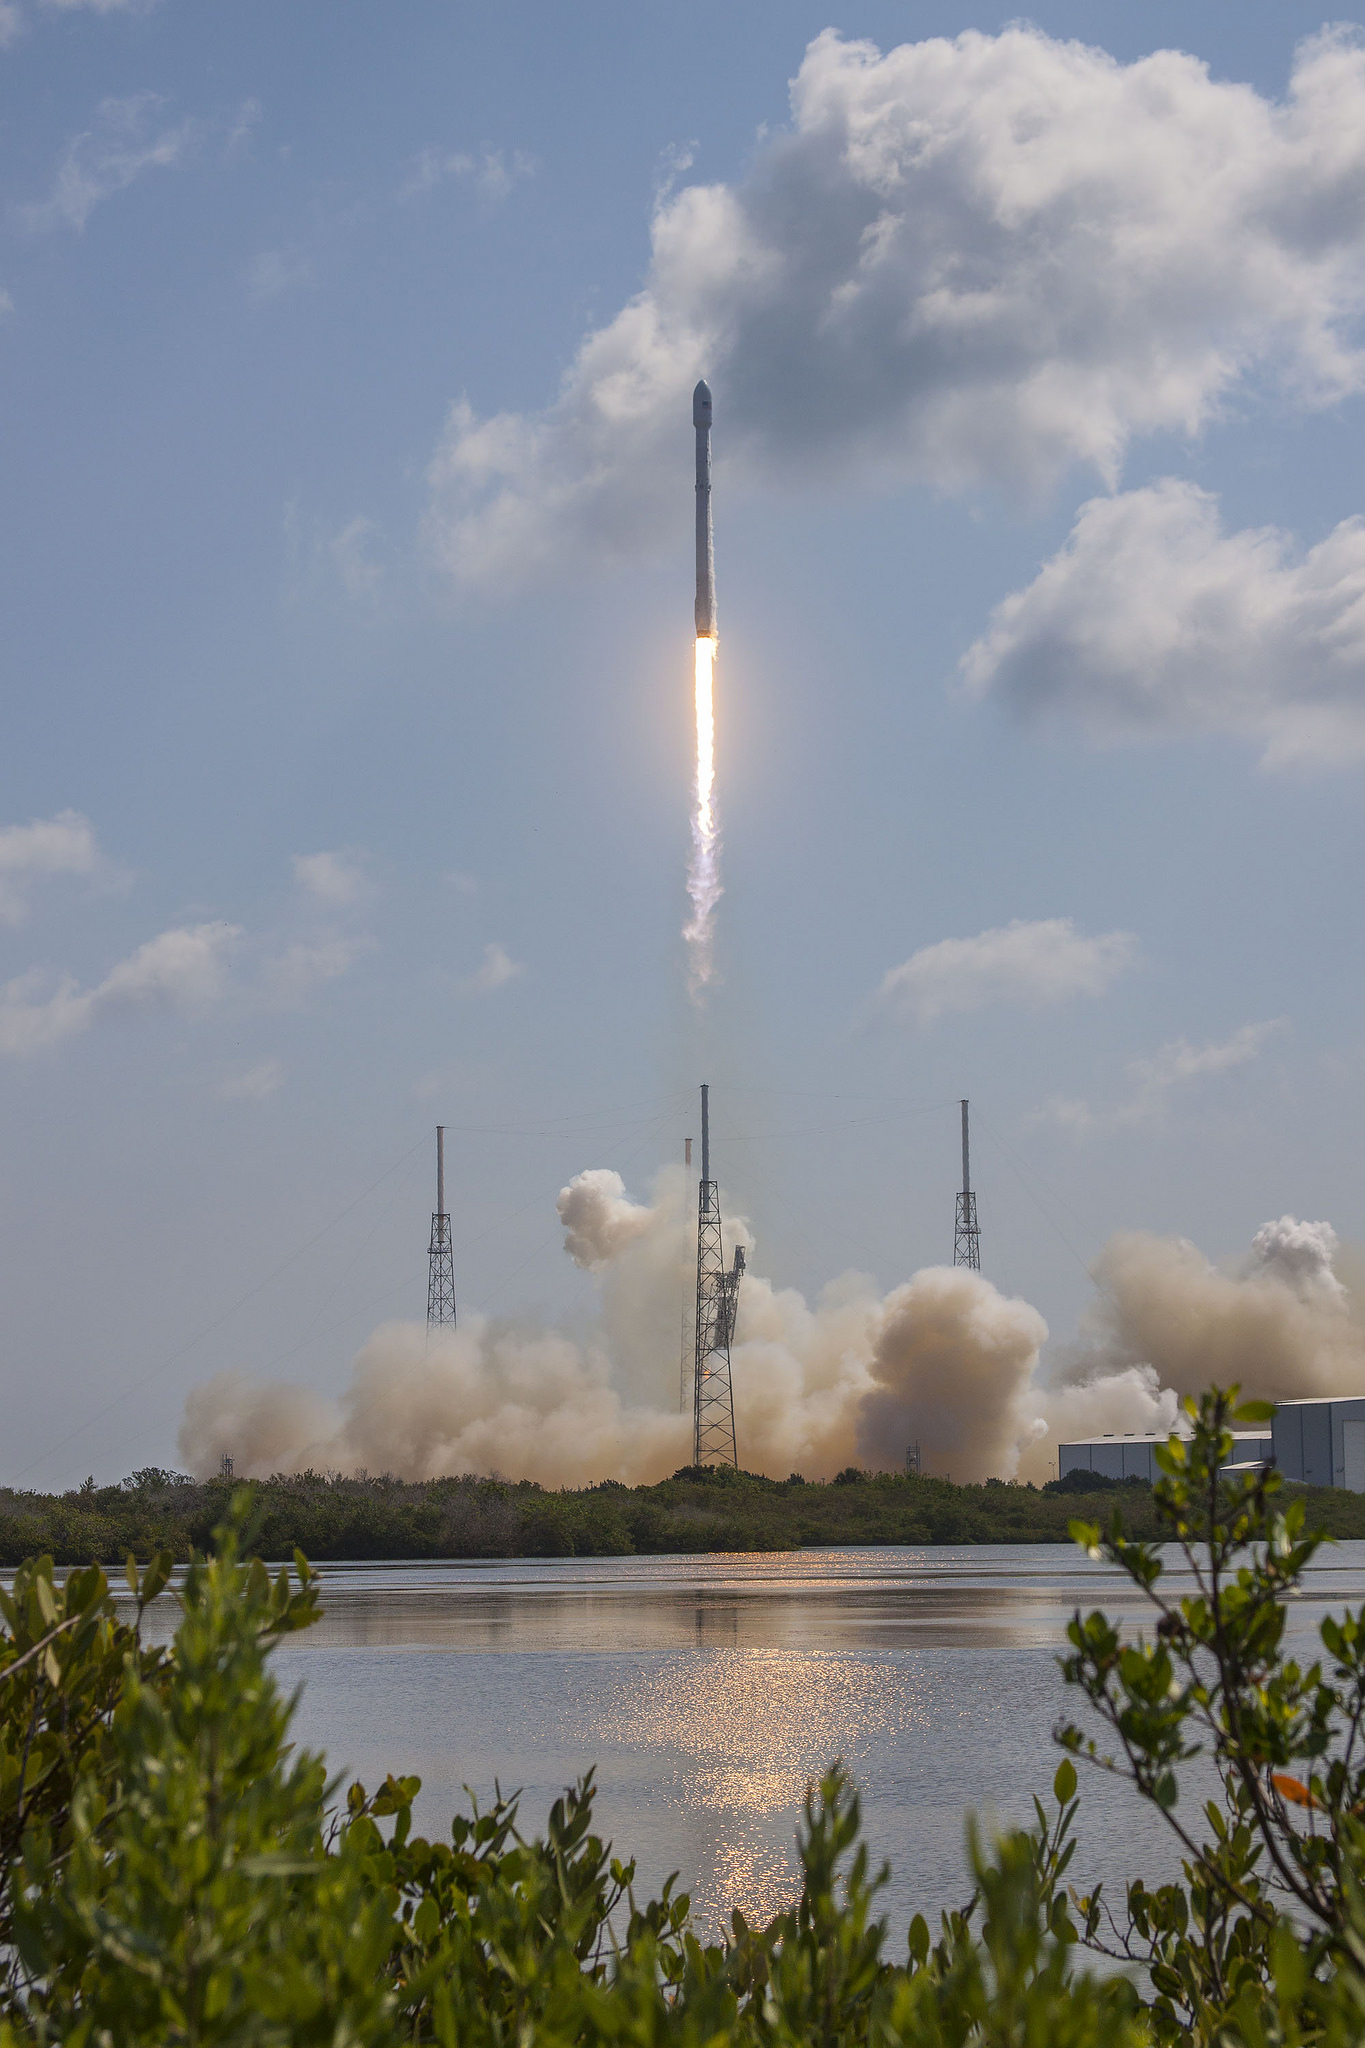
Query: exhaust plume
943, 1360
703, 870
1281, 1324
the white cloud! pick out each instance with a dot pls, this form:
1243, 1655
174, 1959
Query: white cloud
63, 845
497, 970
277, 271
1152, 620
1035, 963
11, 23
253, 1084
245, 123
336, 879
181, 969
1154, 1079
358, 573
103, 6
494, 173
980, 259
302, 967
124, 141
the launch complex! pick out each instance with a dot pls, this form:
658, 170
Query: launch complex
716, 1304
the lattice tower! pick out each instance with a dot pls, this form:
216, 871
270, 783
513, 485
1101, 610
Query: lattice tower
966, 1233
713, 1400
440, 1253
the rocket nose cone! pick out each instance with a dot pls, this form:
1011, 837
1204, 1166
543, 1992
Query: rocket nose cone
701, 405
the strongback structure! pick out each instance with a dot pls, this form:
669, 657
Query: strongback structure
685, 1331
966, 1234
713, 1401
440, 1254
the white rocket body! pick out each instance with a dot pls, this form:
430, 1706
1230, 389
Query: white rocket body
706, 560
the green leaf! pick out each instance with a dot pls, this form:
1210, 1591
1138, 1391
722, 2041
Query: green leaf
1064, 1784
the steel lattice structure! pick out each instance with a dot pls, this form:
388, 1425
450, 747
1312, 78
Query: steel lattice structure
713, 1400
440, 1252
966, 1232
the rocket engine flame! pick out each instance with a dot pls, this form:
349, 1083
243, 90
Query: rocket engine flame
703, 872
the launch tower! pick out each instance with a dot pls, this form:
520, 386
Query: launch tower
966, 1235
713, 1400
440, 1255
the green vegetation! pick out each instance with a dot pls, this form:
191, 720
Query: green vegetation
329, 1517
173, 1871
698, 1510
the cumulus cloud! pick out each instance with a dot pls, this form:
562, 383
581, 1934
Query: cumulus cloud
181, 969
1152, 620
126, 139
63, 845
1036, 964
1154, 1078
336, 880
495, 971
11, 23
981, 259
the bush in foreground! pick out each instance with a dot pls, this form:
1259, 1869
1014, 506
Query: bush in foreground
172, 1871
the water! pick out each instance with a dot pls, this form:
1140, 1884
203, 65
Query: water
707, 1691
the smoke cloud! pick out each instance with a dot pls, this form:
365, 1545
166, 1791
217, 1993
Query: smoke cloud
854, 1377
1282, 1324
944, 1360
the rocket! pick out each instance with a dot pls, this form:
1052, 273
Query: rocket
706, 560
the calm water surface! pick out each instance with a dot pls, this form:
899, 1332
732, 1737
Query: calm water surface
707, 1691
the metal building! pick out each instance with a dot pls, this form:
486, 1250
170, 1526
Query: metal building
1133, 1455
1322, 1442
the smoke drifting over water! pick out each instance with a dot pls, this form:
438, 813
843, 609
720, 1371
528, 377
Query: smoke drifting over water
944, 1360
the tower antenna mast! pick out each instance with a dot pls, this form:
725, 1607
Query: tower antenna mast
713, 1399
440, 1255
966, 1234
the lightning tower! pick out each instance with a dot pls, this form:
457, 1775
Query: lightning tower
966, 1234
713, 1400
440, 1255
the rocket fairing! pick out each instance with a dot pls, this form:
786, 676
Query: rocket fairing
706, 560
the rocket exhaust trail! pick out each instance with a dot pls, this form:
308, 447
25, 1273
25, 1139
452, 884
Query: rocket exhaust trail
703, 873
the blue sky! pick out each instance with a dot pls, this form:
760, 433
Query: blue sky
347, 739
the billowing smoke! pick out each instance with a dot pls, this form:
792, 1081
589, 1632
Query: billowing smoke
1168, 1322
943, 1360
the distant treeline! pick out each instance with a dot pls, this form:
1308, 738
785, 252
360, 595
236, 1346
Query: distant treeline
697, 1510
